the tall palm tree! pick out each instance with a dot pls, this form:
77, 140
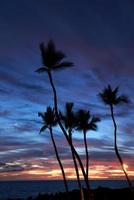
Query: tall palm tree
53, 60
86, 123
49, 121
69, 121
111, 98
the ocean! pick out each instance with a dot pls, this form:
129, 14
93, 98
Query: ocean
23, 189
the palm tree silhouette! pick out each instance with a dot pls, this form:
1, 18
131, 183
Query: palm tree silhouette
110, 97
86, 123
53, 60
49, 121
69, 121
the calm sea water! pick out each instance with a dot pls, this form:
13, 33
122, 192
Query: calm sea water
23, 189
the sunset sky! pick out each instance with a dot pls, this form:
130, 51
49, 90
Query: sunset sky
98, 36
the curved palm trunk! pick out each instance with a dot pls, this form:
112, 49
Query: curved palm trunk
75, 162
116, 148
87, 156
59, 161
76, 168
66, 135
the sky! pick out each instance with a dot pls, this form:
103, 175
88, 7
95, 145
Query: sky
98, 36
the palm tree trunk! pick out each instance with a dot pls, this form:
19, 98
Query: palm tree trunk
75, 162
86, 149
66, 135
76, 168
116, 148
59, 161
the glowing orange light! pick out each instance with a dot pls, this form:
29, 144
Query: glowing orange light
125, 166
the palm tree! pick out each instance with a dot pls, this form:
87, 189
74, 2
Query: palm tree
69, 121
49, 121
110, 97
53, 60
86, 123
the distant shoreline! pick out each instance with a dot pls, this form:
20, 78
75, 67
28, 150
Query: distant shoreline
99, 194
21, 180
23, 189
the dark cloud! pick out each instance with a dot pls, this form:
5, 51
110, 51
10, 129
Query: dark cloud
3, 91
5, 113
15, 167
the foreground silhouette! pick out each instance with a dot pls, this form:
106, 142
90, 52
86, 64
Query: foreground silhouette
53, 60
49, 121
69, 120
110, 97
99, 194
86, 123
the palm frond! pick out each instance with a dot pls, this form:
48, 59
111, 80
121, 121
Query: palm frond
52, 58
95, 119
63, 65
69, 106
43, 128
41, 69
110, 96
48, 117
85, 122
122, 99
59, 55
51, 46
68, 117
115, 91
92, 126
43, 53
42, 115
